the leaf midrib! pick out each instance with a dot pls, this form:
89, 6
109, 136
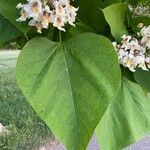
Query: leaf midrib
67, 71
56, 45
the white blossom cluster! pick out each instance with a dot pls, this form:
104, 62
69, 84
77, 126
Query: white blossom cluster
41, 13
140, 10
135, 52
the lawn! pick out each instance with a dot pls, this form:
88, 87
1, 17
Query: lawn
27, 130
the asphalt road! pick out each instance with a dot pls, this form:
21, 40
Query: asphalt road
143, 144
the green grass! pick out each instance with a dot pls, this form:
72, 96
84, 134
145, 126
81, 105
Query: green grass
27, 130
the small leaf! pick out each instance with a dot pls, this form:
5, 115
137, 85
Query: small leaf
9, 11
115, 16
126, 120
70, 84
7, 31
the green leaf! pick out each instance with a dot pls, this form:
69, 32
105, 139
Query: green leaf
9, 11
126, 120
70, 84
125, 72
90, 13
143, 78
115, 16
7, 31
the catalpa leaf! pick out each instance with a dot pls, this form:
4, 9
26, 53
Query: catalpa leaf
70, 84
127, 118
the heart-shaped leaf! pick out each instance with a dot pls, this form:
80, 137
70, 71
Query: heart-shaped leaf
70, 84
126, 120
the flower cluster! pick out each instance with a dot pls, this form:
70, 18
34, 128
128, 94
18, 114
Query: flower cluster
43, 12
140, 10
135, 52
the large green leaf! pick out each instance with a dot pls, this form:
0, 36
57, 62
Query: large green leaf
8, 10
7, 31
127, 118
115, 16
70, 84
143, 78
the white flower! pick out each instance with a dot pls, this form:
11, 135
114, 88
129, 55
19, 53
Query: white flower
133, 52
140, 10
125, 42
145, 31
24, 16
140, 25
115, 45
148, 62
71, 14
45, 18
19, 6
36, 8
134, 46
64, 13
129, 61
59, 22
40, 15
146, 41
36, 24
31, 10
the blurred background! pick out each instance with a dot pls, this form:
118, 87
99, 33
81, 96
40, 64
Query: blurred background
20, 127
